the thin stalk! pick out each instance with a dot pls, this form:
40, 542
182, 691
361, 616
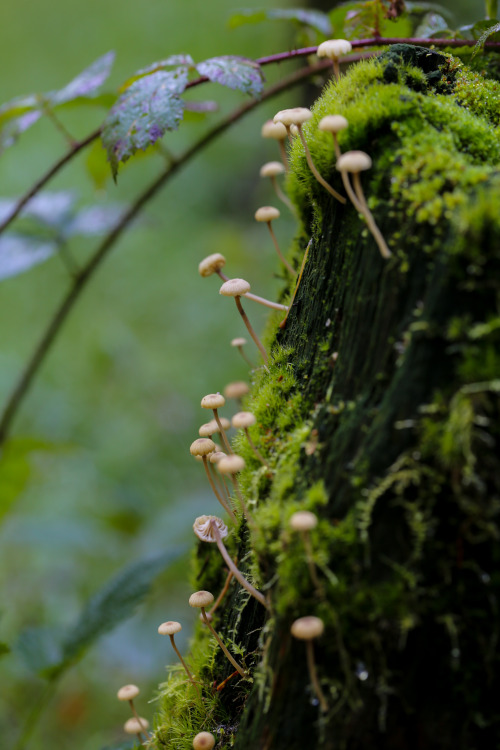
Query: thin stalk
377, 234
244, 507
314, 677
249, 363
136, 715
281, 257
191, 679
216, 493
222, 431
284, 155
281, 195
251, 331
255, 297
310, 563
228, 655
236, 573
315, 172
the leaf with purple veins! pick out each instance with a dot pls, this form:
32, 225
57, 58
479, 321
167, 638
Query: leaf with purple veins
84, 84
235, 72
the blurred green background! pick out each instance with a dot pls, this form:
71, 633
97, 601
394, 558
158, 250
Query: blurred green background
116, 404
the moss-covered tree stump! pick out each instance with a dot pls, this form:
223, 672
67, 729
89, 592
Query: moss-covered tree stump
380, 414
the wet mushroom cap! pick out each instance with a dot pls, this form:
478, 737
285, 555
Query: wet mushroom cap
134, 726
234, 288
211, 264
204, 741
274, 130
237, 389
243, 419
213, 401
353, 161
334, 48
201, 599
307, 628
271, 169
333, 124
293, 116
231, 464
267, 213
203, 528
303, 520
169, 628
128, 693
202, 447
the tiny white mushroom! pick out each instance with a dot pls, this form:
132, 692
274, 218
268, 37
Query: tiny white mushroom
334, 49
243, 420
267, 214
201, 600
216, 401
272, 169
306, 629
203, 447
236, 288
277, 132
170, 628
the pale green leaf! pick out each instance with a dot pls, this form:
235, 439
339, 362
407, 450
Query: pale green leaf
234, 72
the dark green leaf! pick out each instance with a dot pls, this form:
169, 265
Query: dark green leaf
16, 465
313, 18
19, 253
490, 33
39, 648
142, 114
234, 72
432, 23
85, 84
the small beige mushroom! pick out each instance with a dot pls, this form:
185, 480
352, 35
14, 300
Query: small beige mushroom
170, 628
212, 428
355, 162
201, 600
128, 693
216, 401
238, 388
303, 521
203, 741
242, 420
333, 124
272, 169
334, 49
267, 214
239, 342
277, 132
236, 288
137, 725
232, 465
213, 529
203, 447
306, 629
297, 116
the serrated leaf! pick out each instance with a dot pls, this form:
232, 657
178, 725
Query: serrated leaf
19, 253
432, 23
315, 19
86, 83
142, 114
234, 72
169, 62
16, 468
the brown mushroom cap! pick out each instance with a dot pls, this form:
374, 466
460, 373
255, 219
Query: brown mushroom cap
136, 726
307, 628
169, 628
204, 741
231, 464
211, 264
243, 419
334, 48
128, 693
202, 447
333, 123
237, 389
274, 130
353, 161
293, 116
201, 599
203, 528
213, 401
303, 520
271, 169
234, 288
267, 213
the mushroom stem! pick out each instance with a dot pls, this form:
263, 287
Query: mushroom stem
223, 593
284, 155
265, 302
222, 275
283, 322
134, 712
314, 677
289, 268
232, 567
315, 172
190, 676
377, 235
350, 192
336, 68
231, 659
251, 332
310, 563
281, 195
216, 493
255, 450
336, 145
222, 432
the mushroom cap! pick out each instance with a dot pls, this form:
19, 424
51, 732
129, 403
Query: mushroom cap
237, 389
210, 428
134, 726
128, 693
216, 456
231, 464
334, 48
353, 161
238, 341
201, 599
213, 401
243, 419
169, 628
294, 130
271, 169
307, 628
293, 116
211, 264
234, 288
333, 123
202, 447
274, 130
267, 213
203, 528
204, 741
303, 520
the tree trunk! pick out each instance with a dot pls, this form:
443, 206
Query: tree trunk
380, 415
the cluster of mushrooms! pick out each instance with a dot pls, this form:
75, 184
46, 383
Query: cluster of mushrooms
221, 464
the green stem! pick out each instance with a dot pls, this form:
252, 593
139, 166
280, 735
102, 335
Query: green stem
491, 9
36, 711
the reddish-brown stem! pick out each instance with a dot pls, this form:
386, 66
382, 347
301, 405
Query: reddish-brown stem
222, 431
136, 715
228, 655
314, 677
232, 567
190, 676
284, 155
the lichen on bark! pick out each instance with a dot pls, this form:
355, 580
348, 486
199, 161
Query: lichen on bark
380, 413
